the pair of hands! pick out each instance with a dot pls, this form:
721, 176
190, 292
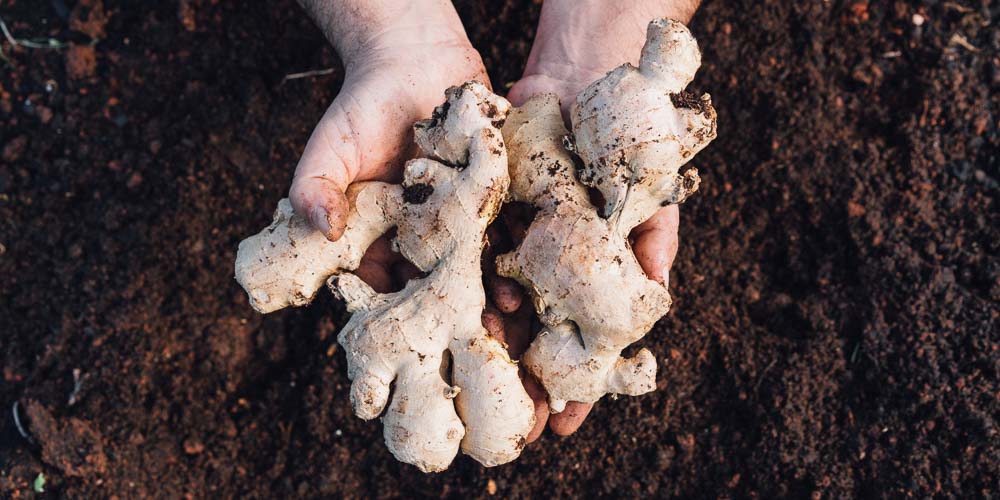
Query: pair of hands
398, 61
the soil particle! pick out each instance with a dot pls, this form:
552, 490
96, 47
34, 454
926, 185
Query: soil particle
88, 17
417, 194
71, 445
14, 148
81, 61
186, 15
689, 100
193, 446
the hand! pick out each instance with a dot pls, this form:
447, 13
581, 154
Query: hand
399, 58
577, 43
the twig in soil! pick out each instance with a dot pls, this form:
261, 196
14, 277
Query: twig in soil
756, 387
959, 39
17, 422
77, 385
36, 43
961, 8
854, 355
308, 74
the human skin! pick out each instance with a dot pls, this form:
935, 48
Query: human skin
399, 57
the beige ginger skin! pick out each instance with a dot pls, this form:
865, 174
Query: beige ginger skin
289, 261
631, 134
452, 384
586, 285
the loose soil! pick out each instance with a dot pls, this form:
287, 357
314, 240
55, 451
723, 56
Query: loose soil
837, 292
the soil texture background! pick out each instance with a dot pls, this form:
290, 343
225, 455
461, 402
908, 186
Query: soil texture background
837, 292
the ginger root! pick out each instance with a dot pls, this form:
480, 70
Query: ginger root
287, 263
586, 285
452, 385
421, 357
636, 127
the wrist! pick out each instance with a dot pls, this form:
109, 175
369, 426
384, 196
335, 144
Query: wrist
363, 29
602, 12
578, 41
599, 35
402, 42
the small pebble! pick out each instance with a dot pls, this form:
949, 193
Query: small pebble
14, 148
134, 180
44, 113
193, 446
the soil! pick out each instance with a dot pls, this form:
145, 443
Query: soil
837, 292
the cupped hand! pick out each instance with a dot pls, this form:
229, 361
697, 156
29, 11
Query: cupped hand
366, 133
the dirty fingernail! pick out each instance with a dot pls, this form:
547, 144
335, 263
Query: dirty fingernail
320, 220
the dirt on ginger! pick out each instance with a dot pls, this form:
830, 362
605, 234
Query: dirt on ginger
575, 261
452, 385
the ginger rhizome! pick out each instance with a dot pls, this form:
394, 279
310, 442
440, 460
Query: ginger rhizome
451, 384
421, 357
634, 129
287, 263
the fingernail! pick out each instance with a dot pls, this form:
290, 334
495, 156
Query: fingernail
665, 279
320, 220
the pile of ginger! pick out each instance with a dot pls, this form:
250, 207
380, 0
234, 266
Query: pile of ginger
420, 357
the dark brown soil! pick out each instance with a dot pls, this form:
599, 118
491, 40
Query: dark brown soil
837, 292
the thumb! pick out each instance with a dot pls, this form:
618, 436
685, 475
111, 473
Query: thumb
656, 243
323, 202
357, 139
323, 174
